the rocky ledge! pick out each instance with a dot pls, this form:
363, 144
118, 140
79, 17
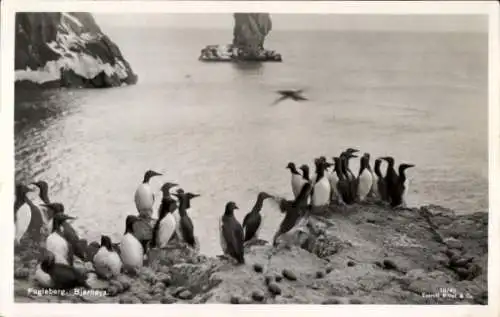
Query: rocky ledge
230, 53
67, 50
360, 254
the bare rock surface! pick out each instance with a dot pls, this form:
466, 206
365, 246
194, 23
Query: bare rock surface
399, 256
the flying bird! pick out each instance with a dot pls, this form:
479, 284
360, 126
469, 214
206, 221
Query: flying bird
295, 95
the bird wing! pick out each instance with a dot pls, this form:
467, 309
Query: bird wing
289, 221
299, 97
69, 233
284, 92
279, 100
143, 230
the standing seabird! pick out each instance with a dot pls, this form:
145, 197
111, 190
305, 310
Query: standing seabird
346, 156
252, 221
321, 191
144, 196
107, 262
343, 185
22, 211
293, 212
68, 232
365, 179
166, 224
305, 173
401, 188
391, 178
185, 227
131, 250
57, 243
297, 180
381, 187
231, 234
334, 180
43, 198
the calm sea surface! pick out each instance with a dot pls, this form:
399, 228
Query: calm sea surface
209, 126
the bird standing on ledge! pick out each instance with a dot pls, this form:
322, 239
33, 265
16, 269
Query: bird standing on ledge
144, 196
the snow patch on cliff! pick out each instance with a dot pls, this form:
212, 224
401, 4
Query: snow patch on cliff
70, 45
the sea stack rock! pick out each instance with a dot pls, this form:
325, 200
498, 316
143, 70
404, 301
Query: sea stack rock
67, 50
249, 34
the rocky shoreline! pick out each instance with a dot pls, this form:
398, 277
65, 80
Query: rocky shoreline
55, 50
359, 254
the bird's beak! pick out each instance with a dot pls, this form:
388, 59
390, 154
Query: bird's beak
411, 165
196, 195
157, 174
66, 217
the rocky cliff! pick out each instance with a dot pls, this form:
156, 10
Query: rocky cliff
358, 254
67, 50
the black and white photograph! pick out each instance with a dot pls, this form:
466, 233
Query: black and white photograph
250, 158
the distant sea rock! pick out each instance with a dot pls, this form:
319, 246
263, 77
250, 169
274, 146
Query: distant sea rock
67, 50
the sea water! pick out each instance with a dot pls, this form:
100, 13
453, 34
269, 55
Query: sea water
420, 97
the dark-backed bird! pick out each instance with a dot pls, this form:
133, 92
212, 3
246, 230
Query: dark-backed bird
390, 179
346, 156
58, 242
231, 234
297, 180
107, 262
144, 196
166, 224
342, 187
43, 198
22, 211
401, 188
321, 191
185, 227
350, 179
69, 233
63, 276
305, 173
365, 178
131, 249
295, 95
252, 220
381, 187
294, 212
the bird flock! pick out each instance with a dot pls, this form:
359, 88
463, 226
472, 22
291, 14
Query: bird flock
342, 186
47, 223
